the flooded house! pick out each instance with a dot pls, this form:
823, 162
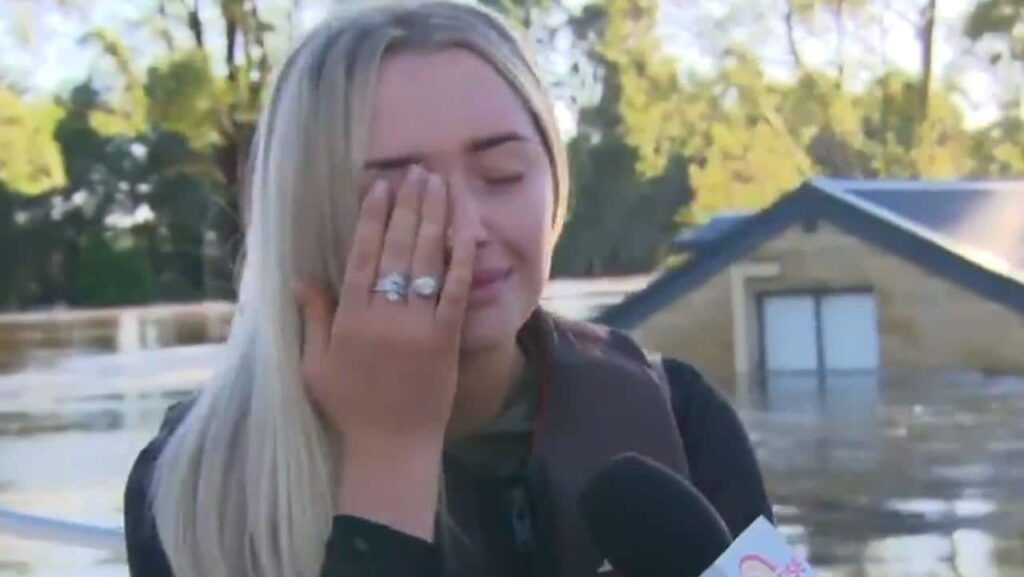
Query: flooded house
844, 276
914, 480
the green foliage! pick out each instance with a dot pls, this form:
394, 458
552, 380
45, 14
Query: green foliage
31, 162
655, 112
1002, 19
619, 222
900, 140
126, 114
13, 265
183, 97
113, 271
130, 194
998, 149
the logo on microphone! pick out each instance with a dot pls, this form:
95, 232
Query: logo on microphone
605, 568
757, 566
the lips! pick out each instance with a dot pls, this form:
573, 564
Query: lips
485, 278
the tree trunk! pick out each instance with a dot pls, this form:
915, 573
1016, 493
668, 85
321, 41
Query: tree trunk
196, 25
927, 44
840, 44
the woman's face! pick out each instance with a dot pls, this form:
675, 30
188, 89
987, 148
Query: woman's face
453, 114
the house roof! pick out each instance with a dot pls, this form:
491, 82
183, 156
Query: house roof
701, 237
970, 233
986, 218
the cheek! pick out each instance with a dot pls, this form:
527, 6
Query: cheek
529, 215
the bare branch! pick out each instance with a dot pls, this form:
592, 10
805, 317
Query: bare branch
295, 9
162, 28
927, 33
256, 85
230, 38
791, 35
195, 24
840, 45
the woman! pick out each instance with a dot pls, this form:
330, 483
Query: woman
392, 401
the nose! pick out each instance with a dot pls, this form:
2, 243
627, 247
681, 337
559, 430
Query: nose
465, 210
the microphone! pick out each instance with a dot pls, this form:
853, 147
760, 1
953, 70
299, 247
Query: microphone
650, 522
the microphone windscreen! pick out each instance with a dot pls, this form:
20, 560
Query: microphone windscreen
650, 522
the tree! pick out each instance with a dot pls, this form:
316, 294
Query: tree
1001, 20
608, 196
208, 91
141, 179
31, 162
999, 25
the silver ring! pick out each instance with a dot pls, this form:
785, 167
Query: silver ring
394, 287
425, 286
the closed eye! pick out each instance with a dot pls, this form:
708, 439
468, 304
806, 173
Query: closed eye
504, 180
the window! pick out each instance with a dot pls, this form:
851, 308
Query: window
828, 331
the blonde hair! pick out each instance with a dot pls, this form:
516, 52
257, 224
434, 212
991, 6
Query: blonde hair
245, 485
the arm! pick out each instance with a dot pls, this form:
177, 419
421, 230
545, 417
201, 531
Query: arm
357, 546
384, 521
721, 458
146, 557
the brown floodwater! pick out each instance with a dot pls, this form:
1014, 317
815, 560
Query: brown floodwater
904, 475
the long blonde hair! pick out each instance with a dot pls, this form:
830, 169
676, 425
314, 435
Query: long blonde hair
245, 485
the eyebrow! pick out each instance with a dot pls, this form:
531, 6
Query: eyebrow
474, 147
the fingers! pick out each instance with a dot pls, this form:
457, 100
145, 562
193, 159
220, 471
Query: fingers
317, 310
403, 226
428, 256
361, 268
451, 308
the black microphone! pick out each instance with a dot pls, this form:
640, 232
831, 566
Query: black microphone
649, 522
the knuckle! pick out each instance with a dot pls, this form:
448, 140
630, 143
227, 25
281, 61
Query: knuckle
401, 243
374, 209
447, 323
431, 231
362, 256
403, 217
460, 279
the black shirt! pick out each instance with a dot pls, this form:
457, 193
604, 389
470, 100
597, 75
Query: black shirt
721, 462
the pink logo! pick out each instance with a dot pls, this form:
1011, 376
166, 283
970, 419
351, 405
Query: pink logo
757, 566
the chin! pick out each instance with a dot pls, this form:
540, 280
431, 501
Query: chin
489, 328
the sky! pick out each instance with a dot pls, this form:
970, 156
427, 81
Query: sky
872, 44
40, 48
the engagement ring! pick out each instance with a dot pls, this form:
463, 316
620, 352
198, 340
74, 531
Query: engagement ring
393, 287
425, 286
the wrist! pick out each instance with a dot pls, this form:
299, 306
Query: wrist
393, 483
367, 446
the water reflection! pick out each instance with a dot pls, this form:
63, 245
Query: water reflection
906, 475
910, 475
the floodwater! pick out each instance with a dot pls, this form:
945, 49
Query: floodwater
905, 476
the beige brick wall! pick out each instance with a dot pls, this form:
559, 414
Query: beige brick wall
925, 322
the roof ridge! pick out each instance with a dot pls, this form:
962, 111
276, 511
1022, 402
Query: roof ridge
982, 258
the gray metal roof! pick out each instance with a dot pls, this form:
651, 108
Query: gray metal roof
970, 233
700, 237
982, 220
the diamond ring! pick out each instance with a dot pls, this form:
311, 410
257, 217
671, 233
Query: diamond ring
394, 287
425, 286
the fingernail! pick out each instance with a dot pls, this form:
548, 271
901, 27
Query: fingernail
380, 188
434, 182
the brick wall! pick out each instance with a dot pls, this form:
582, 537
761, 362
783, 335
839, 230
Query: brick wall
925, 322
